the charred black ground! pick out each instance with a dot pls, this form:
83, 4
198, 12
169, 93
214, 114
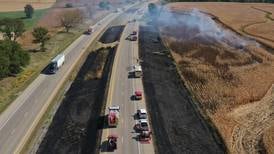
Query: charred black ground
112, 34
75, 127
177, 125
82, 104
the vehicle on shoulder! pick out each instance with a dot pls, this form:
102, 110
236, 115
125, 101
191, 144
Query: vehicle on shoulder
142, 125
142, 114
112, 142
136, 71
138, 95
134, 32
132, 38
145, 136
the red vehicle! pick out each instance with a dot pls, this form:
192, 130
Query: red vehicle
144, 136
112, 143
113, 116
138, 95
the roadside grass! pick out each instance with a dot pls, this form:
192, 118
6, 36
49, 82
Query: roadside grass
40, 130
11, 87
29, 23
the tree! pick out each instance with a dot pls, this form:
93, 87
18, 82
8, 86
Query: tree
41, 36
70, 19
12, 58
12, 28
29, 11
4, 62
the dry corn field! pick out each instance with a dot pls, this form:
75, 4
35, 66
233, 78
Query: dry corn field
254, 19
229, 72
18, 5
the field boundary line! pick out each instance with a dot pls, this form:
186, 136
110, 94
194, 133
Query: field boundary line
195, 103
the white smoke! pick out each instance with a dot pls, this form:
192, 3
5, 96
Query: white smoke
202, 26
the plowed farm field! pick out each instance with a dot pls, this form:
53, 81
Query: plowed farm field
18, 5
224, 52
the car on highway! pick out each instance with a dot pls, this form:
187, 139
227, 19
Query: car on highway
142, 113
134, 32
138, 95
132, 38
142, 125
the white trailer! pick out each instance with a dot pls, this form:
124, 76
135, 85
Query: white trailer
56, 63
137, 71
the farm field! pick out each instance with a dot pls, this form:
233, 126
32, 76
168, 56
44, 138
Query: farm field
228, 68
18, 5
245, 18
29, 23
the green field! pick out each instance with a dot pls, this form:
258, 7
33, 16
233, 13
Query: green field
29, 23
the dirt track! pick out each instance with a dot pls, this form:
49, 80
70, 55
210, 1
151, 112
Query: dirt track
75, 126
177, 126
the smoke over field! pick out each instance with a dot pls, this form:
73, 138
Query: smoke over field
225, 71
198, 26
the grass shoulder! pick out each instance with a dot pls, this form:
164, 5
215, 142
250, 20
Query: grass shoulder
29, 22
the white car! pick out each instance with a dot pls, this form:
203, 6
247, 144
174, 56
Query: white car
142, 125
142, 113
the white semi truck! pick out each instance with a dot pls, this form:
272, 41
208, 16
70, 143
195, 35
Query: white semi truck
56, 63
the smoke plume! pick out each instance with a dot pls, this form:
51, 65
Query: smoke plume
196, 26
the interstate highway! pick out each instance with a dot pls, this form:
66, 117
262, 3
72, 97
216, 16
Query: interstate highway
120, 91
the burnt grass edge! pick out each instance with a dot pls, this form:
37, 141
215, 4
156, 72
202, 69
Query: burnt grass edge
94, 139
203, 117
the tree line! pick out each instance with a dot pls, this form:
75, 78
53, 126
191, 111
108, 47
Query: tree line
12, 56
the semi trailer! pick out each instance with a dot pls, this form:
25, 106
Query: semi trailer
56, 63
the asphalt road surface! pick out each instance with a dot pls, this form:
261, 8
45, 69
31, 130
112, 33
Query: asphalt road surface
17, 121
121, 90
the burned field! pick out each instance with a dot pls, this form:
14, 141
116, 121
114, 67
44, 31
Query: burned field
177, 125
231, 75
81, 105
75, 127
112, 34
